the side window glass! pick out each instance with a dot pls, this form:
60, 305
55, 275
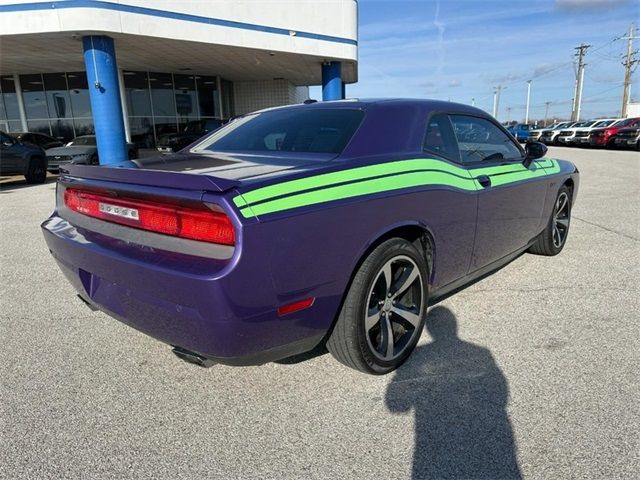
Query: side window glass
440, 138
479, 140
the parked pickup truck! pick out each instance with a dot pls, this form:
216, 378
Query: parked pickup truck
583, 135
568, 135
520, 131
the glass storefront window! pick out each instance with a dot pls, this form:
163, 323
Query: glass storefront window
8, 100
39, 126
11, 126
228, 103
59, 104
35, 103
62, 129
83, 126
57, 95
141, 129
208, 96
186, 98
162, 98
79, 94
164, 125
136, 86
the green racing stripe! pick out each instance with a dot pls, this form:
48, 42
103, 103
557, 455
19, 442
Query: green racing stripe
379, 178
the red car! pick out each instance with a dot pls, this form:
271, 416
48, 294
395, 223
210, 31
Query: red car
603, 137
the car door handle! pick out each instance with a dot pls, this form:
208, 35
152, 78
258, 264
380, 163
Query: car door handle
484, 180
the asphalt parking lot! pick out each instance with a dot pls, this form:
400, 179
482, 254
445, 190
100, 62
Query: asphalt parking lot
532, 371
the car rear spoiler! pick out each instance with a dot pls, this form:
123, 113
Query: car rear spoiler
154, 178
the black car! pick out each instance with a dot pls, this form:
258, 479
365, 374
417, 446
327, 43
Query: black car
38, 139
19, 158
172, 142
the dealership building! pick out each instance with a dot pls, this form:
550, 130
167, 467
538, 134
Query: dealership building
137, 69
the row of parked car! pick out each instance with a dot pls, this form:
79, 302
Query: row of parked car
607, 132
32, 154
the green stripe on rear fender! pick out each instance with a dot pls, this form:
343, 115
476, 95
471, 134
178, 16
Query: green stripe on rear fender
364, 181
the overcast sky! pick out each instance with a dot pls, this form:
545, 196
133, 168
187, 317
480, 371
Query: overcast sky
461, 49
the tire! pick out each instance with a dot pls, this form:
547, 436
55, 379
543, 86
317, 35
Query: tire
37, 170
360, 336
93, 159
553, 238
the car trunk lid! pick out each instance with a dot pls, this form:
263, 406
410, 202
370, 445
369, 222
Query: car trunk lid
216, 172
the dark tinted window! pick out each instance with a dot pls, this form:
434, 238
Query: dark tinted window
291, 130
440, 138
481, 140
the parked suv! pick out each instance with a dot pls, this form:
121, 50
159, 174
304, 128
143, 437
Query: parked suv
549, 135
627, 138
567, 136
605, 137
172, 142
583, 135
18, 158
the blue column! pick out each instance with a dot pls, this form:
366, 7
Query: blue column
332, 81
102, 76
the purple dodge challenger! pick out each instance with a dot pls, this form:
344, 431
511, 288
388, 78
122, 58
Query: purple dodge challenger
332, 223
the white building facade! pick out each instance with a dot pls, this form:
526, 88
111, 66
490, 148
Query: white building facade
70, 67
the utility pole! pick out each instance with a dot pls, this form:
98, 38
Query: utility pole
577, 97
628, 63
526, 112
496, 100
508, 114
546, 112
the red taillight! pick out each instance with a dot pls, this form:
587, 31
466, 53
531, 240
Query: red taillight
202, 225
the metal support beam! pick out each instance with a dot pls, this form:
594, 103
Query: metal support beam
332, 81
106, 105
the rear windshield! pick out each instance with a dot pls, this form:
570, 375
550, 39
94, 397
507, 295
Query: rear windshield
305, 130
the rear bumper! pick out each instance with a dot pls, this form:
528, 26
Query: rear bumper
195, 303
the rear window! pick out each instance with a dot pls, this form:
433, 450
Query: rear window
317, 130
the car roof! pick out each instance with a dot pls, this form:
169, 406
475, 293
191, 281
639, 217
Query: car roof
364, 103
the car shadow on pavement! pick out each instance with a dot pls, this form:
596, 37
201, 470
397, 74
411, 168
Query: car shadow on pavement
9, 184
459, 397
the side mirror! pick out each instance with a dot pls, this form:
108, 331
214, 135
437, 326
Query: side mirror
534, 150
